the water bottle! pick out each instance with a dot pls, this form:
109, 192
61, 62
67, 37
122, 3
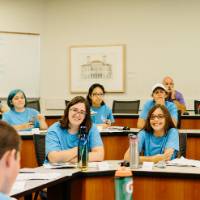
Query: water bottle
83, 149
123, 184
134, 151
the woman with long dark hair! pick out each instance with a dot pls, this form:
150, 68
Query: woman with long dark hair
101, 113
159, 139
63, 136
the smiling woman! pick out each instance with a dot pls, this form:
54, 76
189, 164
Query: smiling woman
159, 139
21, 117
63, 136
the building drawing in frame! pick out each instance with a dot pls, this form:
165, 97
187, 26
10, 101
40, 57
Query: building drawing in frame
104, 64
96, 69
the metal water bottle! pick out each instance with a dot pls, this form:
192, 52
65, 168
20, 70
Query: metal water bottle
83, 149
134, 151
123, 184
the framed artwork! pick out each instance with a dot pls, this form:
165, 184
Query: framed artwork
97, 64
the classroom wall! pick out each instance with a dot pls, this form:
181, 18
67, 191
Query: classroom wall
161, 38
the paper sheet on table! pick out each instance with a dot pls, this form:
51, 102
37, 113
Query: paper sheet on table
37, 176
18, 186
184, 162
100, 165
59, 165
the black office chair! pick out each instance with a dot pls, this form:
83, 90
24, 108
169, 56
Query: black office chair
39, 144
126, 106
34, 104
179, 119
197, 106
182, 145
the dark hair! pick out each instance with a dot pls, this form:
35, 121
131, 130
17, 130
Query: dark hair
11, 96
64, 122
92, 87
9, 138
168, 119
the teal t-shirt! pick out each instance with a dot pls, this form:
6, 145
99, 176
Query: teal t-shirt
15, 118
152, 145
4, 197
151, 103
99, 115
59, 139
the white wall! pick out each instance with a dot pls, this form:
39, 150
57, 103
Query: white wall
161, 38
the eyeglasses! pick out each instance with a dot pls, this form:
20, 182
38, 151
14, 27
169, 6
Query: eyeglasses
76, 111
98, 94
153, 117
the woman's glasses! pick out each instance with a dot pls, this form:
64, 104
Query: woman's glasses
153, 117
98, 94
76, 111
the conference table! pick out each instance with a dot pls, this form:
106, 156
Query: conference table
171, 182
191, 121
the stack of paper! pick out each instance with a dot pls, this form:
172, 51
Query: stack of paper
59, 165
184, 162
37, 176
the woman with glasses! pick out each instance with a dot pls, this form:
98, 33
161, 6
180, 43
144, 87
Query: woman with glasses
63, 136
21, 117
159, 94
159, 139
101, 113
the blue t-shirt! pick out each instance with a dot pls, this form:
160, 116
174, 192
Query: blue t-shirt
4, 197
59, 139
152, 145
150, 103
16, 118
99, 115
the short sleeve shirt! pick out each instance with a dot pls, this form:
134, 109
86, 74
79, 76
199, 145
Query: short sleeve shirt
152, 145
99, 115
150, 103
4, 197
15, 118
59, 139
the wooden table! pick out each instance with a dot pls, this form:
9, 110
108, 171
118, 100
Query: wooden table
174, 183
191, 121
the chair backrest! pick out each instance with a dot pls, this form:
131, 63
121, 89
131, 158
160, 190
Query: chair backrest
39, 143
197, 106
182, 145
34, 104
126, 106
179, 119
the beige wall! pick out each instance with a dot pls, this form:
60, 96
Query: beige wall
161, 38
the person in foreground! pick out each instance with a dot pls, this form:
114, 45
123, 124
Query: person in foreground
159, 94
101, 113
9, 158
21, 117
63, 136
159, 139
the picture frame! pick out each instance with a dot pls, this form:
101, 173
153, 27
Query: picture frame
104, 64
